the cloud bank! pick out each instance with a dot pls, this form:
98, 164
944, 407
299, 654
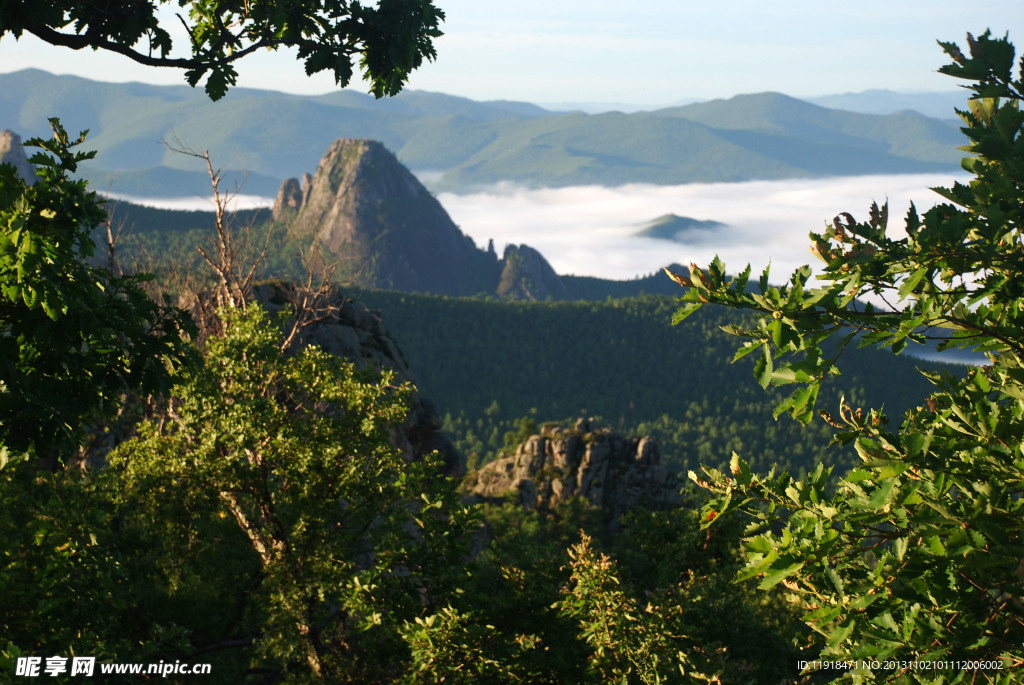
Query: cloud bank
589, 231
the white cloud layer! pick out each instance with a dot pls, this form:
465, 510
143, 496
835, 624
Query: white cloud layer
591, 230
196, 203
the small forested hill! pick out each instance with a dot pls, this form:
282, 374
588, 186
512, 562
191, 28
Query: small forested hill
487, 363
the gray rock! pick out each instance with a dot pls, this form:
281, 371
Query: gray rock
384, 227
386, 230
11, 152
613, 472
288, 201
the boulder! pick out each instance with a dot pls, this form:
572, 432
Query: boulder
526, 275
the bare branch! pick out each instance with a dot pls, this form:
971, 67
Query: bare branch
311, 304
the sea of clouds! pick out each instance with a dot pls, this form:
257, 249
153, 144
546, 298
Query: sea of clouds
591, 230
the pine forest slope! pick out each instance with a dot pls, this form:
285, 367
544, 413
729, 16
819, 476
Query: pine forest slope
275, 136
486, 363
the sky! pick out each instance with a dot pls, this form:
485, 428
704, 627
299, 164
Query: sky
647, 52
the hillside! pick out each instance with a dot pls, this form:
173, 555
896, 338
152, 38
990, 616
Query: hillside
495, 367
461, 142
606, 350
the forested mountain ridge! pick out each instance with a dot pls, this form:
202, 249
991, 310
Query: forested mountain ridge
464, 143
493, 366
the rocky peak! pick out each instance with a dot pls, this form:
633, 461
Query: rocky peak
12, 152
613, 472
526, 275
386, 229
290, 198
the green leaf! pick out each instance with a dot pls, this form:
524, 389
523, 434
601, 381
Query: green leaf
777, 575
843, 631
684, 312
758, 566
935, 545
912, 282
740, 469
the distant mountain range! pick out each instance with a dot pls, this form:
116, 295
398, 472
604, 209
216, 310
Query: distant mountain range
938, 105
461, 144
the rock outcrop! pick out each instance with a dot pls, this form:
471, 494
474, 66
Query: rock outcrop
290, 198
526, 275
388, 231
11, 152
351, 331
611, 471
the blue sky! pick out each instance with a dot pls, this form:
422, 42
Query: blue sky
646, 52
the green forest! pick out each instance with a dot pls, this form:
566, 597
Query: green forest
192, 488
490, 365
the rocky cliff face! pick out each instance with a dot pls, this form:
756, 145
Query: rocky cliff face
290, 198
613, 472
389, 232
11, 152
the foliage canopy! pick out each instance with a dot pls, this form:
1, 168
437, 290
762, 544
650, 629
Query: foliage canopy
918, 555
296, 450
73, 337
392, 37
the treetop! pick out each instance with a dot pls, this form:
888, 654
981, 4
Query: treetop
391, 37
